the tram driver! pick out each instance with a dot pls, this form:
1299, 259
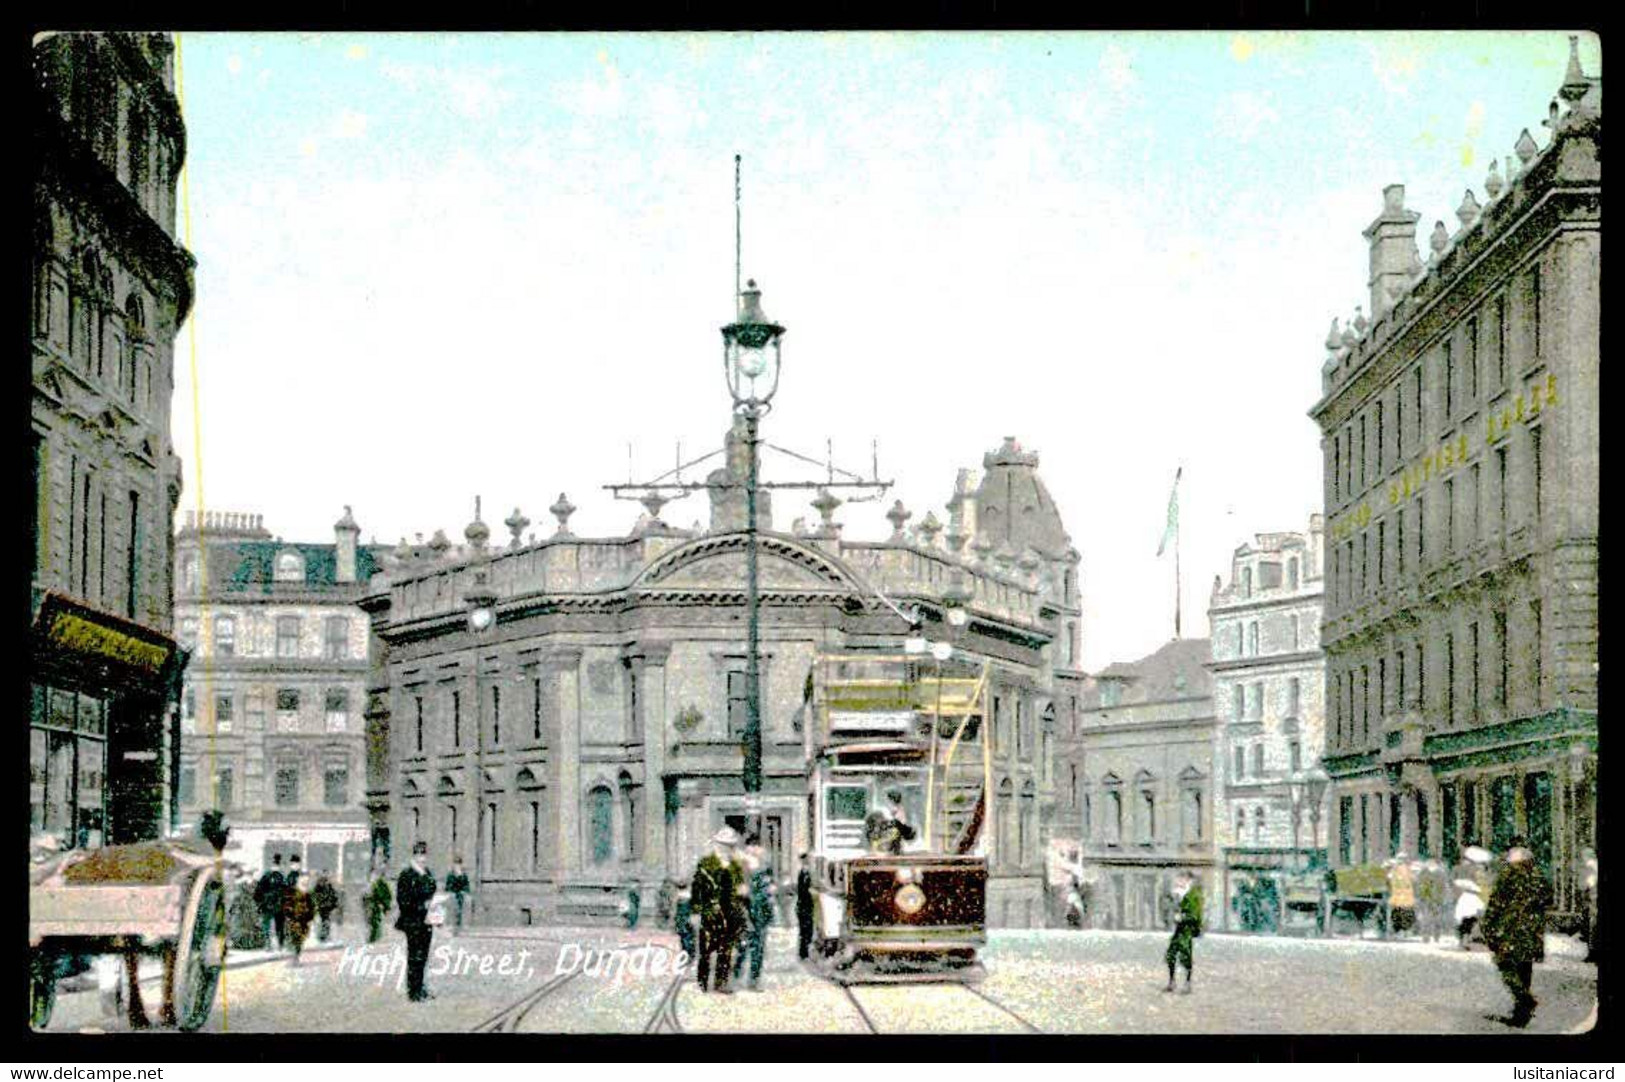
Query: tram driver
886, 829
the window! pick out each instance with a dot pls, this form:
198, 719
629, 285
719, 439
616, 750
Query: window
336, 640
1472, 671
1241, 824
225, 636
536, 709
493, 850
1421, 680
1535, 647
1114, 817
1292, 573
1258, 700
1148, 817
223, 789
188, 572
1337, 468
1382, 444
290, 567
1191, 827
1111, 692
1449, 383
418, 702
1421, 531
338, 710
1246, 582
1536, 468
132, 565
1293, 691
1252, 639
336, 786
188, 633
1345, 829
1382, 552
1258, 760
739, 702
189, 704
496, 716
1449, 680
1241, 761
600, 824
456, 719
1469, 361
1473, 496
1416, 412
1361, 471
1258, 825
1382, 686
1533, 316
187, 793
287, 710
287, 786
1502, 669
1399, 680
287, 636
224, 713
1295, 755
1236, 697
1088, 816
1399, 541
1498, 313
1450, 516
1365, 702
535, 834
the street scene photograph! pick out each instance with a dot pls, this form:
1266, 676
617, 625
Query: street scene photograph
895, 533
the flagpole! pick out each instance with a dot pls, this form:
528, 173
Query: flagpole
1176, 575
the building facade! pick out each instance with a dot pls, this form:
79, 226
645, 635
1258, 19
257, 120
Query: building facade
110, 286
1142, 768
271, 709
589, 743
1460, 436
1268, 694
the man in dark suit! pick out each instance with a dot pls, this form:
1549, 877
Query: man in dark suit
413, 891
804, 906
268, 899
715, 889
1187, 926
1515, 927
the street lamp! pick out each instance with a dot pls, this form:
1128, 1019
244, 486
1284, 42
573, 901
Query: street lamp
1294, 788
481, 602
1315, 783
751, 364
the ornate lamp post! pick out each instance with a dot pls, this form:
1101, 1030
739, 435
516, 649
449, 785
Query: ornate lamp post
751, 364
481, 602
1294, 788
1315, 783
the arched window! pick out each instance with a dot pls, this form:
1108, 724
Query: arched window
600, 824
290, 567
629, 814
1148, 816
1258, 825
1252, 639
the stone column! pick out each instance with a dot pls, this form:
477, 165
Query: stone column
564, 669
649, 662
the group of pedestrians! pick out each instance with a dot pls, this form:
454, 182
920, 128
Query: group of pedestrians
287, 907
732, 900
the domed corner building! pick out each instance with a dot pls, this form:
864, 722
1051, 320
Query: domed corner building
587, 743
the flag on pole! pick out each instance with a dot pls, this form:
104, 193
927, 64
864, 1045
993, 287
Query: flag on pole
1171, 530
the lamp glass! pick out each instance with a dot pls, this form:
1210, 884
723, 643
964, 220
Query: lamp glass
957, 617
942, 651
914, 644
750, 362
481, 618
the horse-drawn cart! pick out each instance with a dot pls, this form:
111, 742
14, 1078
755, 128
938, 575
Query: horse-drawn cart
163, 897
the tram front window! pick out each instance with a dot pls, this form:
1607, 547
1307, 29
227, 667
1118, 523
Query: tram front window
845, 807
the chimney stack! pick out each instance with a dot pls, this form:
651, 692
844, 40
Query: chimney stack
345, 535
1393, 250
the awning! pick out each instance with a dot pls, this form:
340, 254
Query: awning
76, 647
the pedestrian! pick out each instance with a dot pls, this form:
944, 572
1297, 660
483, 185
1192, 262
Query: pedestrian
1515, 927
413, 891
458, 887
1430, 888
716, 883
1471, 876
759, 892
1187, 926
804, 906
268, 897
683, 917
886, 829
297, 909
378, 901
325, 897
1588, 886
1401, 893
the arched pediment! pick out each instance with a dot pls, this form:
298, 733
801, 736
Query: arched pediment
1190, 773
719, 561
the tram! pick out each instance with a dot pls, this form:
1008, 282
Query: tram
898, 792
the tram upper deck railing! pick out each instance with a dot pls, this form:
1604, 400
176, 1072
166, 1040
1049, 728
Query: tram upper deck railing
855, 695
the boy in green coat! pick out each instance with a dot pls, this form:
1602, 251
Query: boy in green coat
1187, 926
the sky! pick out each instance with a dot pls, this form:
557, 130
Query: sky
438, 266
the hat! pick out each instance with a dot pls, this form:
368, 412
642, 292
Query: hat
726, 836
1476, 854
420, 847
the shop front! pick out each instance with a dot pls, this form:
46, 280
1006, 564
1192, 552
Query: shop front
104, 729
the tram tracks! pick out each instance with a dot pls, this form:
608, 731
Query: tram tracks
873, 1028
508, 1019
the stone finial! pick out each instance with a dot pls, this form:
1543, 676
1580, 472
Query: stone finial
1575, 83
1492, 182
798, 527
929, 528
403, 551
652, 503
825, 504
530, 538
1440, 240
1350, 339
1526, 148
1029, 562
1552, 119
348, 522
562, 509
897, 516
1360, 322
439, 543
1467, 213
956, 541
982, 548
477, 533
1334, 338
1004, 557
516, 524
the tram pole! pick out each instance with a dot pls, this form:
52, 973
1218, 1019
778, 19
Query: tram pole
752, 774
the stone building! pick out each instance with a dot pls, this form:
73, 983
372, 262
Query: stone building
589, 743
1460, 435
110, 286
271, 710
1142, 766
1268, 694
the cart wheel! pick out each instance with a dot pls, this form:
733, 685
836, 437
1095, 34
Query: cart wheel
41, 992
200, 952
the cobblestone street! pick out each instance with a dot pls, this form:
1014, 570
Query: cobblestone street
1037, 981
